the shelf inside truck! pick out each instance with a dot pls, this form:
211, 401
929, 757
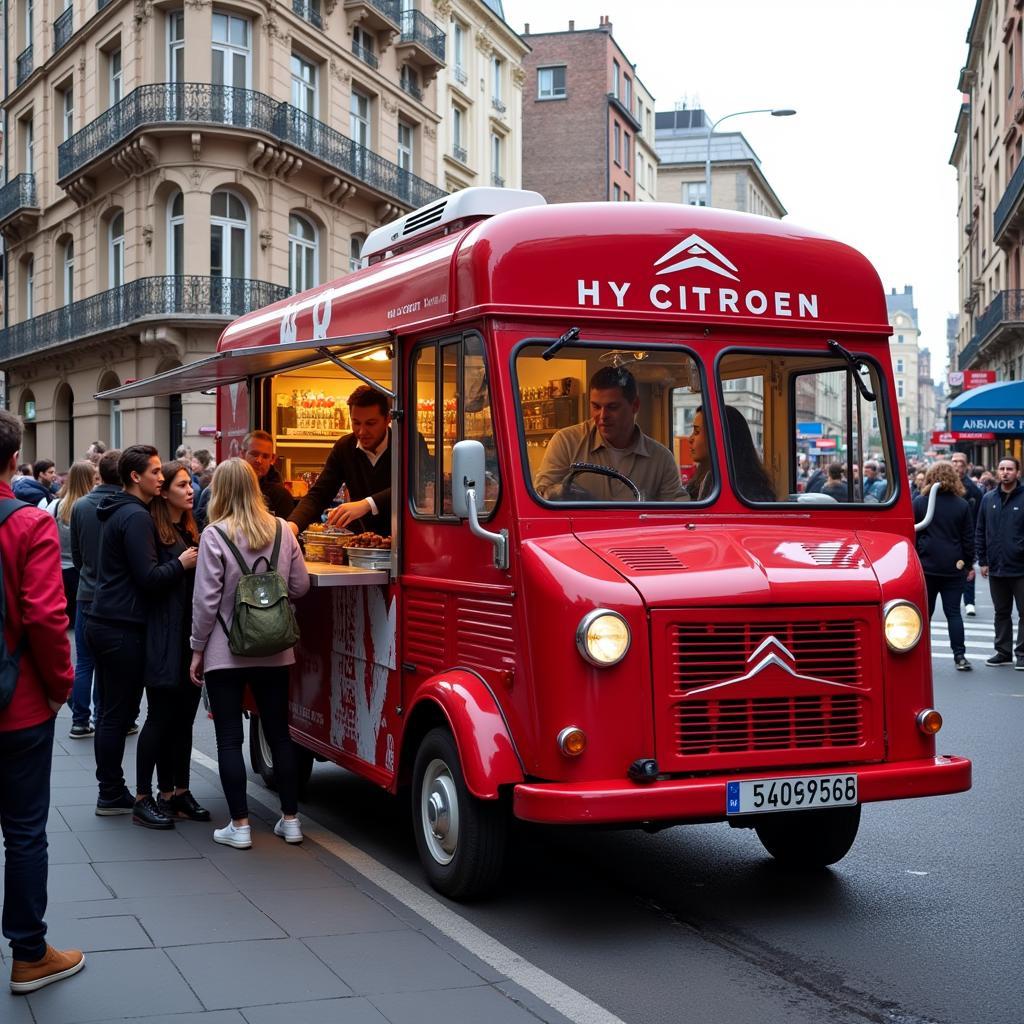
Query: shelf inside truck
323, 574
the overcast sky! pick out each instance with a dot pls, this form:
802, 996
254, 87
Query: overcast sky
874, 83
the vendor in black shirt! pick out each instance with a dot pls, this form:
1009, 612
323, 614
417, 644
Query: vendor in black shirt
360, 460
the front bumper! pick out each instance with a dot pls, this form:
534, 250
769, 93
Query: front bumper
620, 801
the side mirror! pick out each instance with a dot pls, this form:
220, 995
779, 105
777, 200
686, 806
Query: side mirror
468, 469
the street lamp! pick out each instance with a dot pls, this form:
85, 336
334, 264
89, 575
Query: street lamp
712, 125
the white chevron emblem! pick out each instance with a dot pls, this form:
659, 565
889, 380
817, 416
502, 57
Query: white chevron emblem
698, 251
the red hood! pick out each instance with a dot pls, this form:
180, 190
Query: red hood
675, 566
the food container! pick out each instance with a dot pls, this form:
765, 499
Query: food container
369, 558
325, 545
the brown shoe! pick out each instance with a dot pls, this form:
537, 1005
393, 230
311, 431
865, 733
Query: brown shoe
29, 975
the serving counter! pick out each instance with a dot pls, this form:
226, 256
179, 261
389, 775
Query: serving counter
324, 574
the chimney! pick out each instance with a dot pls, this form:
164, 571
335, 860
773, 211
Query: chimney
526, 29
572, 26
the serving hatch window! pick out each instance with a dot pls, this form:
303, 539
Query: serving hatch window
597, 422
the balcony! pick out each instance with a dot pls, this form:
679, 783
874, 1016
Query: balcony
200, 298
19, 205
24, 65
1001, 324
421, 43
410, 87
191, 105
365, 55
459, 152
63, 29
1008, 220
309, 10
377, 16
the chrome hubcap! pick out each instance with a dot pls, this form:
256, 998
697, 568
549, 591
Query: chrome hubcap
439, 807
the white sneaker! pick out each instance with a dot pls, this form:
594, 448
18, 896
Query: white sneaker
289, 830
238, 836
969, 608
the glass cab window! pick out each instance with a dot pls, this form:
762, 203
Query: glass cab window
453, 403
597, 422
805, 428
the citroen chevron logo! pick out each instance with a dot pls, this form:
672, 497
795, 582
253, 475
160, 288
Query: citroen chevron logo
698, 251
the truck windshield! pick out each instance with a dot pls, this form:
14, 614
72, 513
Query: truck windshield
610, 424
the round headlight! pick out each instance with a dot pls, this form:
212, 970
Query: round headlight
903, 625
602, 637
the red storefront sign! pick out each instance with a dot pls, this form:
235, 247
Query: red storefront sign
952, 436
968, 379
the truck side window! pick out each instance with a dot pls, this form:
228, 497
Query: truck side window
423, 445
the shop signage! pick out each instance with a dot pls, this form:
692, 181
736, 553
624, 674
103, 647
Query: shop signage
809, 429
826, 444
996, 423
968, 379
952, 436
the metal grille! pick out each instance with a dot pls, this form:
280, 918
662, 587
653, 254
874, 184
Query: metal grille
768, 723
705, 653
309, 11
24, 65
365, 55
647, 559
836, 554
63, 29
18, 194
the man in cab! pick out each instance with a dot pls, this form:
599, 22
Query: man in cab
361, 461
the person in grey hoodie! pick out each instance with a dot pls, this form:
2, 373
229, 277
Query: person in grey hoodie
85, 550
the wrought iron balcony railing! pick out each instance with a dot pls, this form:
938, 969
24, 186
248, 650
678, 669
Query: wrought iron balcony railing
418, 28
460, 74
459, 152
63, 29
1010, 199
24, 65
310, 10
498, 105
412, 89
497, 181
365, 55
1006, 307
184, 295
192, 102
18, 194
390, 9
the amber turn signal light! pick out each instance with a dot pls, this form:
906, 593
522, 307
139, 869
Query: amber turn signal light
572, 741
929, 721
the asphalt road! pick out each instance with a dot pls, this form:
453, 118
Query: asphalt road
921, 922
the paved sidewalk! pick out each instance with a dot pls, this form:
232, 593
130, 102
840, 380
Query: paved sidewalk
177, 928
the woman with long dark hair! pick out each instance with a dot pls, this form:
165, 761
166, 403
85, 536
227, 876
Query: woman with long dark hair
946, 550
752, 480
166, 739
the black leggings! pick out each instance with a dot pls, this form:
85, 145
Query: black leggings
166, 738
226, 689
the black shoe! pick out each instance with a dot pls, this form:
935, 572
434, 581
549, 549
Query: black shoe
1019, 664
999, 659
962, 664
183, 805
147, 814
123, 804
132, 729
80, 732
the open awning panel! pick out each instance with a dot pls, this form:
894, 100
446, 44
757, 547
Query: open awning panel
239, 364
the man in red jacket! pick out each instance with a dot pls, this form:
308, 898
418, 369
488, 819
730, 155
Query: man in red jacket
35, 631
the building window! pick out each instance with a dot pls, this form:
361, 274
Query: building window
28, 136
406, 153
551, 83
625, 197
175, 46
458, 51
303, 271
458, 133
67, 101
496, 69
410, 82
304, 85
231, 51
68, 276
616, 193
899, 366
695, 193
899, 389
115, 82
362, 46
497, 161
30, 288
625, 151
618, 143
899, 339
627, 92
355, 252
229, 243
115, 250
359, 119
615, 78
176, 235
29, 22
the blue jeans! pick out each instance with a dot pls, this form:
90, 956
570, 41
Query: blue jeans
82, 690
950, 589
969, 592
25, 759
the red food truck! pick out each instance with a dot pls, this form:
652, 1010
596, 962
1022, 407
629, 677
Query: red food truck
546, 638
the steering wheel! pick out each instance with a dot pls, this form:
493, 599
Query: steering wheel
590, 467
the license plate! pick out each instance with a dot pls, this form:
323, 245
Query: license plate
810, 792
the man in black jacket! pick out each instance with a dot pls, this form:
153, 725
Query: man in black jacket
362, 462
85, 552
973, 498
1000, 544
127, 572
258, 451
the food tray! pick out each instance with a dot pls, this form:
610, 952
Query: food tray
369, 558
325, 546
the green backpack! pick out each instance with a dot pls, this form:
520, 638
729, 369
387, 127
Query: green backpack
264, 621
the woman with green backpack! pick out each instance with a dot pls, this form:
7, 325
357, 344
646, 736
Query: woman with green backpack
243, 634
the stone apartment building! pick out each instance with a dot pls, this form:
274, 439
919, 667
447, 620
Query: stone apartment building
480, 96
906, 360
173, 165
990, 192
580, 118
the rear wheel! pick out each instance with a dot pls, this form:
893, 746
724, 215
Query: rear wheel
809, 839
461, 840
262, 757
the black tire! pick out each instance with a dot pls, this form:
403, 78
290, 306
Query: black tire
809, 839
468, 865
262, 759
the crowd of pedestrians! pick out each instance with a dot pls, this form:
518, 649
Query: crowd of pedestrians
117, 551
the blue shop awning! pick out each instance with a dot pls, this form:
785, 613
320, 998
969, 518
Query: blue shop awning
998, 408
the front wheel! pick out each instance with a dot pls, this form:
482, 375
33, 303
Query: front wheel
809, 839
261, 756
460, 839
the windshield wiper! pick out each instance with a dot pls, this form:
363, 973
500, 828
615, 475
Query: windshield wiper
857, 366
570, 335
